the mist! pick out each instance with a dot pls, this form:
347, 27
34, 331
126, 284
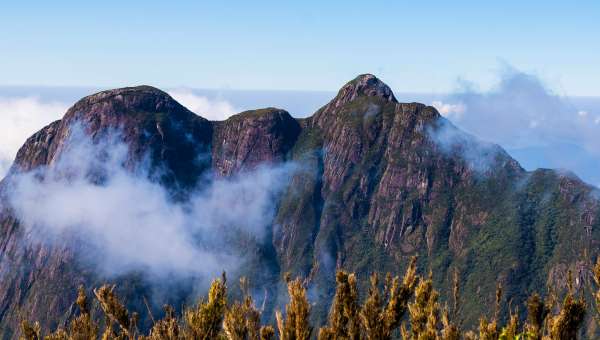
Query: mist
534, 123
209, 108
479, 155
125, 221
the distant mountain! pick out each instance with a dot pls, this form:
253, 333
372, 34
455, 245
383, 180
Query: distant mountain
381, 181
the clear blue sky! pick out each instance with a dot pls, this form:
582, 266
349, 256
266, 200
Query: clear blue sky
415, 46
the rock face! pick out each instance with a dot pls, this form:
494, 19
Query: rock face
251, 138
34, 277
377, 186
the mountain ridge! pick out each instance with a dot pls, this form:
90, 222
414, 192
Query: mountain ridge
377, 187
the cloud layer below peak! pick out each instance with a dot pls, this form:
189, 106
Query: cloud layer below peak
125, 221
209, 108
20, 117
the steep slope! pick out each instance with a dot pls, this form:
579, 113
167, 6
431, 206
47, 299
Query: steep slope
251, 138
377, 182
36, 277
388, 180
39, 280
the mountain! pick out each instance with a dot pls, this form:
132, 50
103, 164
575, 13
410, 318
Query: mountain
380, 181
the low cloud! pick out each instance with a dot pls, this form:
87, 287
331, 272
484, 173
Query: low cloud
479, 155
522, 113
20, 117
127, 222
449, 110
209, 108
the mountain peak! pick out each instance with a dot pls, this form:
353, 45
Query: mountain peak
371, 182
364, 85
122, 102
131, 95
119, 93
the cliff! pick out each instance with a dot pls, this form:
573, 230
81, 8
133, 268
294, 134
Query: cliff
379, 182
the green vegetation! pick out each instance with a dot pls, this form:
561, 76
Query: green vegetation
406, 308
256, 113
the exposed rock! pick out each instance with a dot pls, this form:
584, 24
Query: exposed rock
374, 189
251, 138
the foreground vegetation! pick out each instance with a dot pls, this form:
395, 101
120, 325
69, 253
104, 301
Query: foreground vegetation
407, 308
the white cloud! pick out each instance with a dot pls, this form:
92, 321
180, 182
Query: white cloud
211, 109
128, 222
480, 156
449, 110
521, 112
20, 117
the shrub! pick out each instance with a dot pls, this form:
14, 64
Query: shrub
382, 315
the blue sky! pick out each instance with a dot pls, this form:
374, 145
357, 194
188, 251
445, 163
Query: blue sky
415, 46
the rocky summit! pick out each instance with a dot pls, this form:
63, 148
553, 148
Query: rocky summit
380, 181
